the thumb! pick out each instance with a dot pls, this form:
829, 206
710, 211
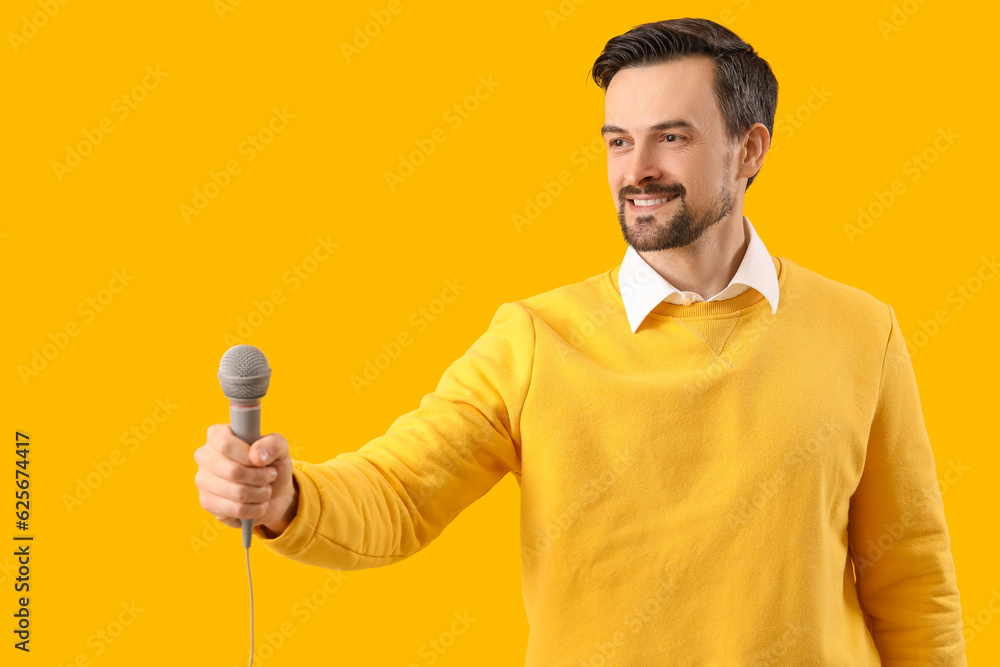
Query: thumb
271, 449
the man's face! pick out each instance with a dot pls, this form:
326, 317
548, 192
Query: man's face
666, 138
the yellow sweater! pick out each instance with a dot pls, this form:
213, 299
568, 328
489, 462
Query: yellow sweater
691, 494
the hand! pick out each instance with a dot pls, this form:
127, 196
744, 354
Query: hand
238, 481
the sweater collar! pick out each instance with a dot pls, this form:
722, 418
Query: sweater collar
643, 289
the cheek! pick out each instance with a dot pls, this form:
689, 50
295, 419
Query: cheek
614, 180
614, 172
701, 179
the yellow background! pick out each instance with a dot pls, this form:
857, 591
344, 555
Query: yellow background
134, 539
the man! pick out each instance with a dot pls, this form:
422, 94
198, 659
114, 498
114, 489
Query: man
743, 479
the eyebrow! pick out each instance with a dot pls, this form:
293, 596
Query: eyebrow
665, 125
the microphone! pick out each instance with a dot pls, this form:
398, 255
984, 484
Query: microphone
244, 376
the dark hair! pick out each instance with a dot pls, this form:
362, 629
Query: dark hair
745, 86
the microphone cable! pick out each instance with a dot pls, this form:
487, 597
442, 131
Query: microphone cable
250, 581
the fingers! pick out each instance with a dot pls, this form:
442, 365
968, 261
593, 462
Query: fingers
238, 473
210, 461
225, 507
221, 439
270, 449
230, 486
244, 494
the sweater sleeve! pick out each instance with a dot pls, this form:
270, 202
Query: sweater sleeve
897, 532
395, 494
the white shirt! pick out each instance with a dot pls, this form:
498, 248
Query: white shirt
642, 288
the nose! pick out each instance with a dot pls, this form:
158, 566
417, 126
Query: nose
641, 166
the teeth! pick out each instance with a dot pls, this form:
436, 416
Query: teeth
650, 202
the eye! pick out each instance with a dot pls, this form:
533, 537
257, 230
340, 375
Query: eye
671, 135
613, 144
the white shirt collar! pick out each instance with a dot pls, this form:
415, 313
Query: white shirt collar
642, 288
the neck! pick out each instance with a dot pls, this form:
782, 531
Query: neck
706, 266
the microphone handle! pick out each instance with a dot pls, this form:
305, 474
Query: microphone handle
244, 421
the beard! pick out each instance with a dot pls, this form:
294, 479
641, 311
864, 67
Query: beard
684, 228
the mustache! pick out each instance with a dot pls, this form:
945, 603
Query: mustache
654, 189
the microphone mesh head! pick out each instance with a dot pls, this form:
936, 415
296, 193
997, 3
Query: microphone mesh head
244, 373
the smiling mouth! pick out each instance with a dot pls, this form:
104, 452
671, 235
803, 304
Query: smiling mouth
649, 203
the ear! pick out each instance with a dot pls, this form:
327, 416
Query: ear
750, 155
